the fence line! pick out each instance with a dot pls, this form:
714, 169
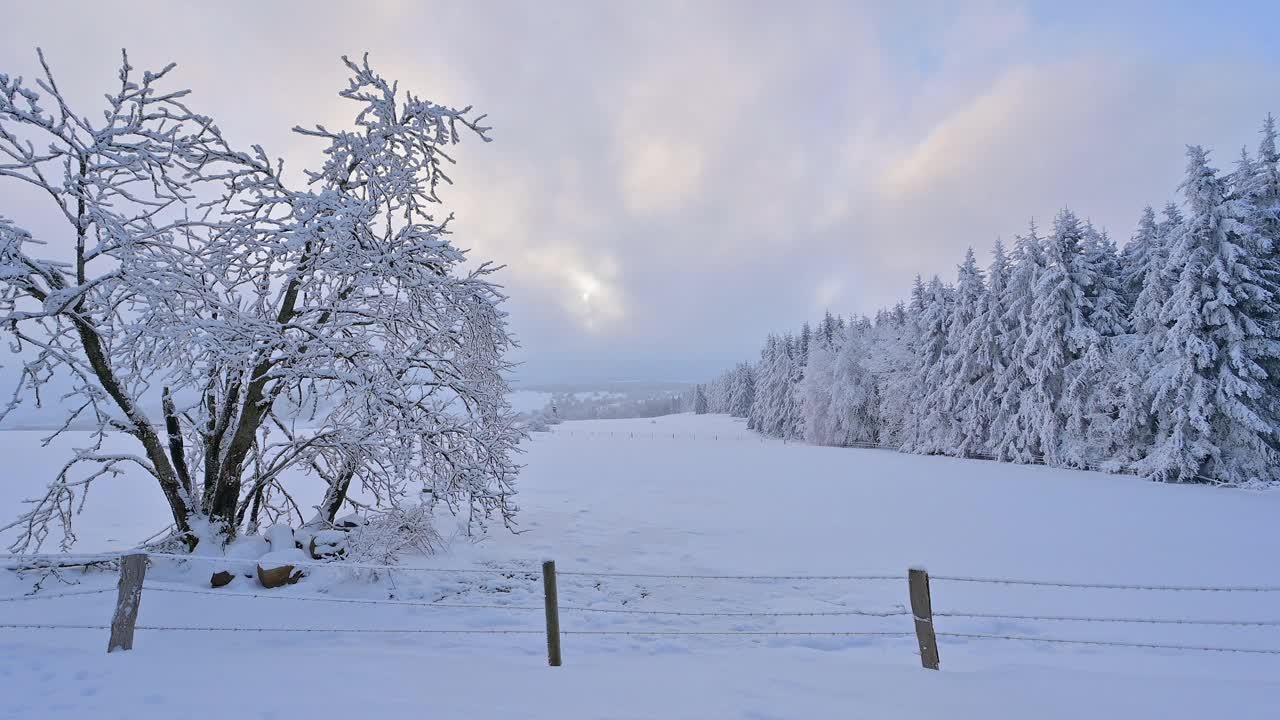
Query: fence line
1109, 586
856, 578
465, 631
133, 583
53, 596
205, 628
1110, 643
340, 564
46, 562
532, 572
340, 601
730, 633
649, 633
1149, 621
530, 608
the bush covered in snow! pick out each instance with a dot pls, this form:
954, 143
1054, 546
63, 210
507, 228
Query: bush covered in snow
384, 536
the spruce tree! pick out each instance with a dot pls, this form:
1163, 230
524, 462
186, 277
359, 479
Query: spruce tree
1209, 387
931, 416
1137, 256
1015, 429
981, 357
965, 364
1092, 397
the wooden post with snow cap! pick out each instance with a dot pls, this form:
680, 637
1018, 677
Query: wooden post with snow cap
133, 569
922, 611
553, 612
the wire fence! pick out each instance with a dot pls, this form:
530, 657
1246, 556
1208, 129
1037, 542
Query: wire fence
1110, 586
920, 611
892, 612
54, 595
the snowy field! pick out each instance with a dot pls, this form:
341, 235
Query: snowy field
625, 496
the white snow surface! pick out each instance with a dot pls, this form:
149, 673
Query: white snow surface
688, 495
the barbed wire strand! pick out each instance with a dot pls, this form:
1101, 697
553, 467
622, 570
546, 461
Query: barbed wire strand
664, 576
1107, 586
1074, 618
52, 596
352, 565
1110, 643
466, 631
867, 578
530, 608
194, 628
532, 571
69, 557
20, 563
727, 633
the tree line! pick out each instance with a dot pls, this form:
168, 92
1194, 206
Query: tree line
1161, 358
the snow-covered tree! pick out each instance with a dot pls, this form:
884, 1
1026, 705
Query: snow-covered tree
828, 329
889, 357
771, 412
1133, 354
931, 418
815, 392
965, 364
700, 400
1059, 332
1209, 383
1092, 395
742, 391
1262, 194
980, 355
1137, 257
855, 396
1015, 428
196, 278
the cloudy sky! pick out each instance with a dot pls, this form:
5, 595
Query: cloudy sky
670, 181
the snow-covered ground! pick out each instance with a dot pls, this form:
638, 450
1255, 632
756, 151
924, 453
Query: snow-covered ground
626, 496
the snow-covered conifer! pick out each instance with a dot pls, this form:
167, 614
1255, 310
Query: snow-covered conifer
932, 422
1015, 428
1209, 385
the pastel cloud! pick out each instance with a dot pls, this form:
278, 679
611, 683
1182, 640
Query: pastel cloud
670, 181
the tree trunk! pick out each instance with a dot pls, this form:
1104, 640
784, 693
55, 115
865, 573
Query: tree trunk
336, 495
139, 427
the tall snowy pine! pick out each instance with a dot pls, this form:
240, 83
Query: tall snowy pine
980, 358
930, 414
1015, 429
1209, 384
966, 365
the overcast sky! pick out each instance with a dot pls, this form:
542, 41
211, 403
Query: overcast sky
670, 181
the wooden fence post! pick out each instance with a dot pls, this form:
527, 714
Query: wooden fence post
133, 569
553, 612
922, 610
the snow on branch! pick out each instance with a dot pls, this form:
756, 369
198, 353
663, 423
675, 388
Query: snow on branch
328, 331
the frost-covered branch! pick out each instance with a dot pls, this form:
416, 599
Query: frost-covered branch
192, 271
